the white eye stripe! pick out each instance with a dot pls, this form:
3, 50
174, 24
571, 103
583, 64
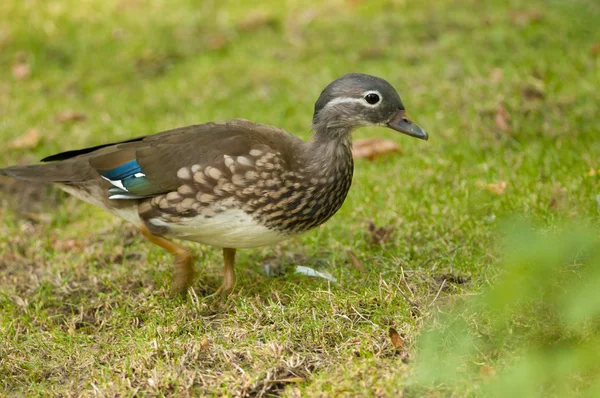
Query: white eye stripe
345, 100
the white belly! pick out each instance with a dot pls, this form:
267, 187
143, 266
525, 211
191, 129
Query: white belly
232, 229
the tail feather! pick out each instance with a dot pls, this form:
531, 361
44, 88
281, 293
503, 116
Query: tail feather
73, 171
78, 179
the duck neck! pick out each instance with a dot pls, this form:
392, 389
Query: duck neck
330, 153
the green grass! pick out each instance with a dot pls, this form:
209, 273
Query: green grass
85, 303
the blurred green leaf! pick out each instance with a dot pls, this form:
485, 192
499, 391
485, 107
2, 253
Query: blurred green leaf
538, 323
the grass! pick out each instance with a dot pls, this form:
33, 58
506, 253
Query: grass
508, 92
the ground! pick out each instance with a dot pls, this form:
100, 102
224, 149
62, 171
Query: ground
508, 93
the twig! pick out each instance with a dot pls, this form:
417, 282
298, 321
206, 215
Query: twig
439, 291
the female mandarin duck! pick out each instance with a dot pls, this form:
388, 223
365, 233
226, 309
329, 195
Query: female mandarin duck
234, 184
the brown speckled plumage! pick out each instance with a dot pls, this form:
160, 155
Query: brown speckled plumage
231, 184
280, 193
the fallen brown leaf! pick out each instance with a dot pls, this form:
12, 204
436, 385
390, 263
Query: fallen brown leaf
502, 118
21, 71
256, 20
296, 24
30, 139
372, 53
498, 187
372, 148
70, 117
126, 4
487, 372
217, 41
20, 68
355, 261
596, 49
118, 34
557, 199
397, 340
68, 245
532, 92
379, 235
525, 17
496, 75
204, 343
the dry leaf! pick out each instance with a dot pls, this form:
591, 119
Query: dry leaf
355, 261
20, 302
372, 148
596, 49
498, 187
397, 340
20, 68
502, 118
204, 343
126, 4
525, 17
496, 75
21, 71
67, 245
217, 41
379, 235
532, 92
118, 34
256, 20
487, 371
30, 139
296, 24
70, 117
557, 199
373, 53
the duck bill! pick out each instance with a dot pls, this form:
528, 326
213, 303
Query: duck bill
402, 123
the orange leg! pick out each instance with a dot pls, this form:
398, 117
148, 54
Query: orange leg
183, 275
228, 272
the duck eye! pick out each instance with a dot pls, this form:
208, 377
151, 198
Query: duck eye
372, 98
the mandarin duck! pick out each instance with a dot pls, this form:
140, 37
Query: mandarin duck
233, 184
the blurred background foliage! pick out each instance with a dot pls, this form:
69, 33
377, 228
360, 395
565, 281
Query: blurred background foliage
535, 331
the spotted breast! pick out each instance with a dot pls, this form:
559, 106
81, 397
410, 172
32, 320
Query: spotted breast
249, 200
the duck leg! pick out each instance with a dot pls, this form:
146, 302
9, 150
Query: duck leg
228, 272
183, 274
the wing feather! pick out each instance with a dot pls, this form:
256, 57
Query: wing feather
148, 166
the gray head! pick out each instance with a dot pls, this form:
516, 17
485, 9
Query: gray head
356, 100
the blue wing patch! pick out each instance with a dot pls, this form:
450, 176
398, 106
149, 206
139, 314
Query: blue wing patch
123, 171
129, 182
